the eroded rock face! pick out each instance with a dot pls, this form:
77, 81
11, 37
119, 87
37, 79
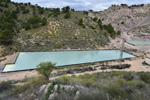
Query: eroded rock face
132, 17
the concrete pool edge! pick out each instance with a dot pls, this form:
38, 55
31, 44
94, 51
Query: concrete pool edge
9, 63
66, 65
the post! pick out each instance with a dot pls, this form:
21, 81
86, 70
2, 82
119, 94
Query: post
121, 52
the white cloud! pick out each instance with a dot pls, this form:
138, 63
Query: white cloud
83, 4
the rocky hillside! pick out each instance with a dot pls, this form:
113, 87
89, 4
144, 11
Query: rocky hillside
27, 27
133, 19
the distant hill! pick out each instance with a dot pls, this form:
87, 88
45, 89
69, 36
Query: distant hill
133, 19
27, 27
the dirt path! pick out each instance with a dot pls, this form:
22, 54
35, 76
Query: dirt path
136, 66
18, 75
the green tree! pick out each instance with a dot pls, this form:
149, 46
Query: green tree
1, 10
66, 9
27, 26
17, 10
80, 21
7, 26
25, 11
95, 19
72, 10
34, 21
6, 37
45, 69
124, 5
44, 21
56, 12
118, 33
67, 15
111, 30
100, 24
41, 10
142, 5
85, 12
34, 13
13, 15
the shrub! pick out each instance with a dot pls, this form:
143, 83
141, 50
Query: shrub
117, 92
134, 83
30, 84
117, 73
118, 33
122, 22
105, 75
92, 27
95, 19
81, 23
5, 86
21, 88
128, 76
57, 47
104, 67
45, 69
145, 77
122, 66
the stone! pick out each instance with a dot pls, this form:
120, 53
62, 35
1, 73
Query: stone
55, 87
52, 96
32, 95
46, 88
77, 95
42, 88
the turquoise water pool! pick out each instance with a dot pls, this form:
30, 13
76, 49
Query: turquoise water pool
137, 42
29, 60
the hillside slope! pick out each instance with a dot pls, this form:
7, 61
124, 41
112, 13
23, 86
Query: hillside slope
34, 28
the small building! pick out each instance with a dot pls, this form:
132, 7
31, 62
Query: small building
148, 59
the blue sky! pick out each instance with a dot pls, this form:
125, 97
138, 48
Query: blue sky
96, 5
